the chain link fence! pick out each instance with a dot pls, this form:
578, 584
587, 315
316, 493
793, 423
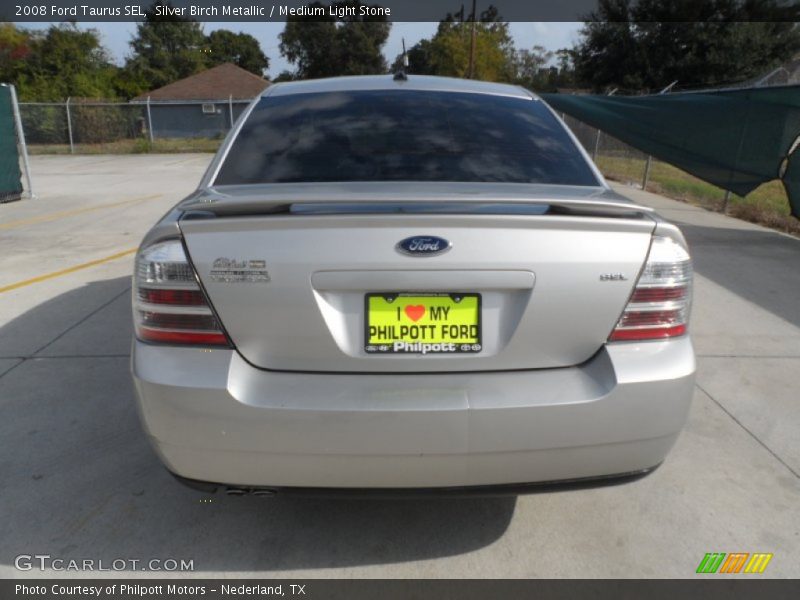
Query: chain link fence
102, 127
767, 205
78, 126
622, 163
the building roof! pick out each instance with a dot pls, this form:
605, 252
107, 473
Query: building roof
388, 82
218, 83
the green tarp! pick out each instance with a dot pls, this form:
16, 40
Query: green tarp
10, 175
735, 139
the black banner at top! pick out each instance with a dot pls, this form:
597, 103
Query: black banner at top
392, 10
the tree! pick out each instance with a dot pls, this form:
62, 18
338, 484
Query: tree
64, 61
447, 52
165, 49
241, 49
648, 44
15, 48
566, 68
326, 47
284, 76
531, 68
494, 51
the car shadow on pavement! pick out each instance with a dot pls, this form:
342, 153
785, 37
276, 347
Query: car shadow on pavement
79, 480
759, 266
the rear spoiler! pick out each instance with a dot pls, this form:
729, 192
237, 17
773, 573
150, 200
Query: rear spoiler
254, 207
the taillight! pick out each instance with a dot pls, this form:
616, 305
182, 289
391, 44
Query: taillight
168, 305
659, 305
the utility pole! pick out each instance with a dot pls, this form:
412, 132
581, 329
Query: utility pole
472, 42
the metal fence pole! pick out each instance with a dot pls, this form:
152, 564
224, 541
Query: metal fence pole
597, 138
230, 109
649, 163
149, 121
596, 145
646, 176
21, 140
725, 201
69, 127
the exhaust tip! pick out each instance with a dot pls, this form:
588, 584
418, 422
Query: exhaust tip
235, 492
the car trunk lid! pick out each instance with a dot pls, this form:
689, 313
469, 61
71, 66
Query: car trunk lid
291, 277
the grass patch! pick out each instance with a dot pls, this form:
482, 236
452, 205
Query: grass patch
135, 146
767, 205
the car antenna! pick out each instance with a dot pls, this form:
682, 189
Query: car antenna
401, 73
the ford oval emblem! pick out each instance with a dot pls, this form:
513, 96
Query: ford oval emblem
423, 245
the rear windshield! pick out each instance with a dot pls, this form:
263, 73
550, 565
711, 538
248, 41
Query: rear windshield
403, 135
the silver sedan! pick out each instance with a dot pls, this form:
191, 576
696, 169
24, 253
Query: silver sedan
393, 285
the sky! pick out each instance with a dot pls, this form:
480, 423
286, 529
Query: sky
115, 37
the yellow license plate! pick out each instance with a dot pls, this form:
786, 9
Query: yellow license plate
405, 323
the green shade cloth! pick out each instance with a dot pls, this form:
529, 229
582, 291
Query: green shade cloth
10, 175
735, 139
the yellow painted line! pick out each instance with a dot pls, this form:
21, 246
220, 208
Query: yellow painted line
54, 274
69, 213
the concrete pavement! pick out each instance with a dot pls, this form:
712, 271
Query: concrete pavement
79, 480
746, 321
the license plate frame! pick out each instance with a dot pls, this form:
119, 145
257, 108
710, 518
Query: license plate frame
422, 347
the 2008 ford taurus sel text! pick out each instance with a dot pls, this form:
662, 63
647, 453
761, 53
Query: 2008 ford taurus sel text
409, 284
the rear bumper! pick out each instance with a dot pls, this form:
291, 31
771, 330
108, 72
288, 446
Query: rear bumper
507, 489
212, 417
